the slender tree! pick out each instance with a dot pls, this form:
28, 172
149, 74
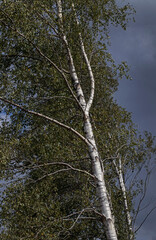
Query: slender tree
56, 70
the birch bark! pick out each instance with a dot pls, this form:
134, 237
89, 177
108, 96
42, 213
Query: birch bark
123, 189
98, 171
97, 166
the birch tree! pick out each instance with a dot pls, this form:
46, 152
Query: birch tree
56, 51
131, 156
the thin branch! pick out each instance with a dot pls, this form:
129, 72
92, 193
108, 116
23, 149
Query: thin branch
51, 174
40, 230
121, 148
70, 215
27, 39
30, 57
22, 56
135, 176
83, 218
49, 98
40, 52
146, 206
47, 118
145, 219
109, 158
48, 23
80, 213
14, 166
7, 15
73, 72
64, 164
77, 219
143, 196
61, 71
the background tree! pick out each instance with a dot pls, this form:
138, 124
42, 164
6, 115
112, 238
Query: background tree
54, 56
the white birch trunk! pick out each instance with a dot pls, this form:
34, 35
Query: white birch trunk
97, 167
98, 172
123, 189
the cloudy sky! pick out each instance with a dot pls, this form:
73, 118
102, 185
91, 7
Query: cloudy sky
137, 45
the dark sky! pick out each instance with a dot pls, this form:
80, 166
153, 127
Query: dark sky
137, 45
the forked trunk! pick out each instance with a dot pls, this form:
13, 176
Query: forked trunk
97, 167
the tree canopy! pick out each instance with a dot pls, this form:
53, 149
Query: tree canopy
67, 147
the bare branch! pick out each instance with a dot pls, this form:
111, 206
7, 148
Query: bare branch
7, 16
79, 215
22, 56
60, 70
135, 176
121, 147
143, 196
48, 23
145, 219
49, 98
64, 164
83, 218
146, 206
47, 118
40, 230
51, 174
109, 158
77, 219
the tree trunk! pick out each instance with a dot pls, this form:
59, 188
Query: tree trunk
98, 172
123, 189
97, 166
